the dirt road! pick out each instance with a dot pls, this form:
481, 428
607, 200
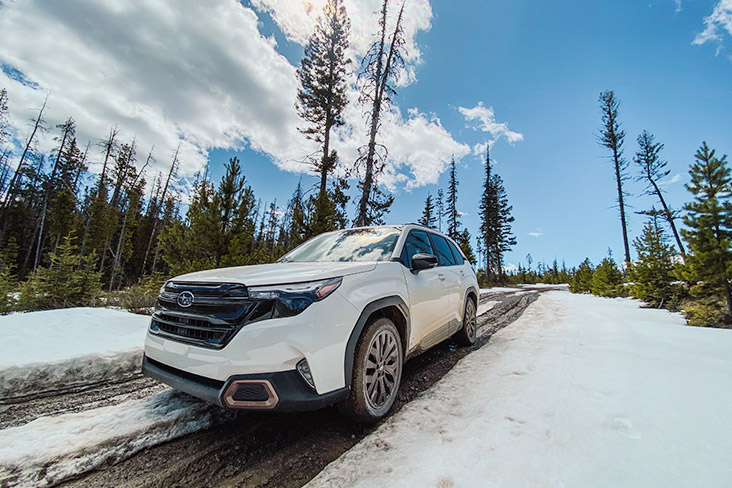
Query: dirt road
258, 450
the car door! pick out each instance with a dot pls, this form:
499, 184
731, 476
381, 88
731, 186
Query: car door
449, 274
428, 302
466, 272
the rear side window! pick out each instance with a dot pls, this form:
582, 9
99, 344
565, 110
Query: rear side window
417, 243
456, 253
444, 254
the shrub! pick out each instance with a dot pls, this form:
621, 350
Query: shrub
139, 298
707, 313
67, 282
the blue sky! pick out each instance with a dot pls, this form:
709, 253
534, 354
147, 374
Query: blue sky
539, 66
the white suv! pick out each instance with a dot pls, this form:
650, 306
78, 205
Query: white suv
331, 321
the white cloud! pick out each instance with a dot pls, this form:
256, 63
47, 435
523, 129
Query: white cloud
296, 19
484, 119
510, 268
419, 147
164, 72
719, 20
536, 234
678, 5
198, 74
670, 181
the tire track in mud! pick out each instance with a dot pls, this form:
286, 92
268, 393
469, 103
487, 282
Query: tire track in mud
16, 413
287, 450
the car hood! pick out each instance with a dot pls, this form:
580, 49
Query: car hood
277, 273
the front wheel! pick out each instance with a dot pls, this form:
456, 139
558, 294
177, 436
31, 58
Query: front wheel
467, 334
377, 372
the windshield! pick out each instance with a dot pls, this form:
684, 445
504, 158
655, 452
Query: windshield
372, 244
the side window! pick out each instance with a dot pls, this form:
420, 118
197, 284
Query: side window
456, 253
444, 254
417, 243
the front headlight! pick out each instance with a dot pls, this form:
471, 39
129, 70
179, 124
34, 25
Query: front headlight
292, 299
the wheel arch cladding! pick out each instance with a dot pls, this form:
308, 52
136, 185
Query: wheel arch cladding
391, 307
472, 294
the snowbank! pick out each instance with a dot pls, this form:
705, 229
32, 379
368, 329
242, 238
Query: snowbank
580, 391
67, 348
498, 289
545, 286
49, 450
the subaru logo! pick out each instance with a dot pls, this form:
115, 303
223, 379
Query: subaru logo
185, 299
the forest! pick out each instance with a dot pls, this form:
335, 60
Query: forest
73, 236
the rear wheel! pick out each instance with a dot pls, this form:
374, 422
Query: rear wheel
466, 336
377, 372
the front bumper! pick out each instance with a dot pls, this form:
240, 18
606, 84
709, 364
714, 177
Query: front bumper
283, 391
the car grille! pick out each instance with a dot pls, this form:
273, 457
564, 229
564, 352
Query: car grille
216, 314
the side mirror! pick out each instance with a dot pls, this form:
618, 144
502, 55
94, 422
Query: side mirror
423, 261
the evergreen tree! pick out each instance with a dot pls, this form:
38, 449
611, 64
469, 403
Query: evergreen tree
652, 171
4, 139
453, 215
613, 137
653, 273
428, 218
464, 242
379, 72
709, 227
440, 207
496, 220
322, 98
219, 227
8, 280
63, 283
607, 279
295, 219
39, 126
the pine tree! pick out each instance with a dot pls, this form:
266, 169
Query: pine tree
496, 220
39, 125
709, 223
653, 273
464, 242
582, 280
219, 227
428, 218
295, 219
381, 66
607, 279
4, 139
63, 283
613, 137
652, 171
322, 97
8, 280
453, 215
440, 207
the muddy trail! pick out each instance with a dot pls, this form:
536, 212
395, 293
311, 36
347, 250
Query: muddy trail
265, 449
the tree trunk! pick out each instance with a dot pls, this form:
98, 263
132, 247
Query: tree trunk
623, 222
13, 182
669, 217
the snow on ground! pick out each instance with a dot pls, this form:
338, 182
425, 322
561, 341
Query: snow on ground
580, 391
50, 449
545, 286
498, 289
58, 349
483, 307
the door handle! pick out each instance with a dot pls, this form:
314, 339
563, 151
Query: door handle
441, 276
462, 273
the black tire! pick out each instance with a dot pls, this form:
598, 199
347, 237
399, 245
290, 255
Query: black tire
376, 379
467, 334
